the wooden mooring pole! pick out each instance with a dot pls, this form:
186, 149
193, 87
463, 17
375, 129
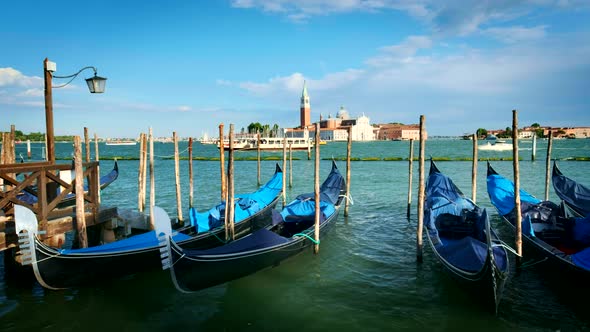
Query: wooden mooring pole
177, 178
222, 163
152, 182
316, 247
230, 183
97, 158
145, 169
548, 165
348, 155
534, 151
517, 207
96, 155
474, 170
284, 170
410, 172
190, 173
290, 165
421, 172
258, 156
87, 144
140, 177
80, 213
28, 149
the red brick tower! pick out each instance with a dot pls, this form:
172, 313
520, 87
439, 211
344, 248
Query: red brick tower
305, 111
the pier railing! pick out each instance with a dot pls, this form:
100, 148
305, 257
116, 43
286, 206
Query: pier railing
41, 180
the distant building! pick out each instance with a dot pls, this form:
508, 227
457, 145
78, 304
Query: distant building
526, 134
305, 110
331, 129
570, 132
398, 132
336, 129
559, 132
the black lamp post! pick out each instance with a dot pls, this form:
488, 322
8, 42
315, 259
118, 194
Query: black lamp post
96, 84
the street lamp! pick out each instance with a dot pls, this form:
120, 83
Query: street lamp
96, 84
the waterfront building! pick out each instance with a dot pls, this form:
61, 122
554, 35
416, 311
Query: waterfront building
569, 132
396, 131
336, 129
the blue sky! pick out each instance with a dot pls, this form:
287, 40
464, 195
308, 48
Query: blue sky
187, 66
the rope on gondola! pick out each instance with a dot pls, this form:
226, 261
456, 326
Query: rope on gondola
217, 237
349, 198
309, 237
532, 263
500, 243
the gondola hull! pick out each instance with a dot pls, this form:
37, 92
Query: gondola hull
574, 194
291, 232
57, 271
199, 272
462, 240
486, 284
553, 258
552, 261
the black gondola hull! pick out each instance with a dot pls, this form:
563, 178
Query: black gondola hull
200, 272
56, 271
487, 284
553, 262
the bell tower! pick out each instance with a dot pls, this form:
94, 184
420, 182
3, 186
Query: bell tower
305, 110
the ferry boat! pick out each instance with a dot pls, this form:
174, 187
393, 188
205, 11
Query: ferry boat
498, 145
121, 142
269, 143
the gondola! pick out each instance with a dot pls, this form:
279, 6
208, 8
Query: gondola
70, 199
291, 232
462, 239
553, 236
574, 194
63, 268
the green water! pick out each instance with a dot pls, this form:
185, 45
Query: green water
365, 278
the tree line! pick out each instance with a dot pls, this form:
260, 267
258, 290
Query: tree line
37, 137
263, 129
507, 133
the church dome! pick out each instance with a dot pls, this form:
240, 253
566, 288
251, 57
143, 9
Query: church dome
342, 114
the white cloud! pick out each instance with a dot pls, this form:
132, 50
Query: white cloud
31, 93
184, 108
516, 34
294, 83
450, 17
10, 77
301, 10
399, 53
412, 66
